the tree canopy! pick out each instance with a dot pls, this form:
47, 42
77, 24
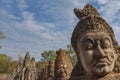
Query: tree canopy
1, 37
48, 55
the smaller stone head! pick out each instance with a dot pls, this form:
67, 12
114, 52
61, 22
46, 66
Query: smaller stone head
94, 43
63, 65
50, 69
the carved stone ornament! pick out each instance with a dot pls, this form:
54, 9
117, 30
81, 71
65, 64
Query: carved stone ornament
50, 74
63, 66
97, 50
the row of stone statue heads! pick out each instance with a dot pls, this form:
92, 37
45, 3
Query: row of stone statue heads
60, 69
96, 48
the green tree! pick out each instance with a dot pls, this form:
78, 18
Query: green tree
48, 55
3, 57
1, 37
11, 65
3, 67
71, 54
3, 64
6, 64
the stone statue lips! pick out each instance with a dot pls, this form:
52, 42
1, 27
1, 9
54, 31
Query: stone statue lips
101, 62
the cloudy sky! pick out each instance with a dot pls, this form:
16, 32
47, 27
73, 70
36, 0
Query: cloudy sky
39, 25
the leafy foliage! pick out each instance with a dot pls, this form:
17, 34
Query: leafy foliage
1, 37
48, 55
11, 66
3, 67
3, 57
6, 64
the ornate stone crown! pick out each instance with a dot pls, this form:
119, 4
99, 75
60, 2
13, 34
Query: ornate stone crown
88, 10
90, 21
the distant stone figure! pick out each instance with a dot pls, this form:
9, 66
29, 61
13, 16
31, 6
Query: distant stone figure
32, 69
41, 75
26, 68
50, 74
63, 66
97, 50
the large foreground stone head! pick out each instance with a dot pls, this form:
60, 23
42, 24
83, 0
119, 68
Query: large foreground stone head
94, 43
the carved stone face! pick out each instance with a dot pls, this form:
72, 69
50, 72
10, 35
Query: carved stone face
97, 53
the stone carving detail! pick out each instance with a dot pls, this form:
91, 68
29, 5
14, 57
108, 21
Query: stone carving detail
43, 75
47, 73
26, 69
63, 66
97, 50
50, 74
20, 64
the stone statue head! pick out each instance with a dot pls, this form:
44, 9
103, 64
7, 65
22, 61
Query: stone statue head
94, 43
63, 65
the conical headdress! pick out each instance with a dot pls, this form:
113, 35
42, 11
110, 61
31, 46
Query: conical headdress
90, 21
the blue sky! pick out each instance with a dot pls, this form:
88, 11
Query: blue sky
39, 25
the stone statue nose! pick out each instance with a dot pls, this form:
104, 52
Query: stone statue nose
100, 52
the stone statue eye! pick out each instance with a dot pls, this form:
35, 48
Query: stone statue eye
106, 44
88, 45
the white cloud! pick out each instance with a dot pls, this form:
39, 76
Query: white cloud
102, 1
110, 10
25, 33
42, 35
4, 15
62, 10
116, 28
22, 4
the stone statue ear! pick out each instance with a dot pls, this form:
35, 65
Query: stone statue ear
117, 63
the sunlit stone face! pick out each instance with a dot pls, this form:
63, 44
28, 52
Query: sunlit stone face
96, 53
